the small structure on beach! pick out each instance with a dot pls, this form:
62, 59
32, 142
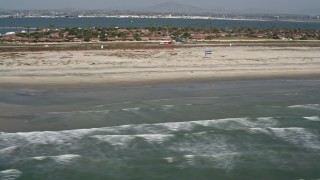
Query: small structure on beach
208, 53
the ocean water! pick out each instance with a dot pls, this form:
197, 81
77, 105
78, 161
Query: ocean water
220, 130
18, 24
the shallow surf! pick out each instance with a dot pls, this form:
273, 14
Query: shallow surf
236, 129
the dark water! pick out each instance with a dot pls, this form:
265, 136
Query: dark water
18, 24
221, 130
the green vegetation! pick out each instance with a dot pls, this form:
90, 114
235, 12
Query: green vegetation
158, 33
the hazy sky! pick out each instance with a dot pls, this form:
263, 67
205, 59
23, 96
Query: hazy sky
285, 5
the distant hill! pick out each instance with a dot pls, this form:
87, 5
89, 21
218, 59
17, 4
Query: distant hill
173, 7
170, 7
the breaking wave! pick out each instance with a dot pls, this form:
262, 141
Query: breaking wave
66, 159
307, 106
299, 137
61, 137
312, 118
10, 174
217, 143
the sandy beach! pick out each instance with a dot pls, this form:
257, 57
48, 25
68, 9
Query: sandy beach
163, 113
117, 67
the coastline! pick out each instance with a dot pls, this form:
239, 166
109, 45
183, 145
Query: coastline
176, 17
138, 67
91, 82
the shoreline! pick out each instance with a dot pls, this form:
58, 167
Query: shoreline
90, 83
140, 67
193, 17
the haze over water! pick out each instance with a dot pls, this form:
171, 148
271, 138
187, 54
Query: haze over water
221, 130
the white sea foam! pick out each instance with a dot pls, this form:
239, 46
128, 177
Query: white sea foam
101, 111
29, 92
10, 174
62, 137
204, 145
80, 112
212, 149
201, 133
224, 156
307, 106
98, 106
65, 159
170, 159
313, 118
190, 159
227, 124
266, 121
210, 97
259, 130
115, 140
294, 135
104, 105
7, 150
136, 109
155, 138
298, 136
46, 137
168, 106
122, 140
158, 100
293, 94
221, 160
177, 126
194, 140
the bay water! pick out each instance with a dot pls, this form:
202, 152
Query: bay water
19, 24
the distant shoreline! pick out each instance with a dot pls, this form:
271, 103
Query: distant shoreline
177, 17
172, 17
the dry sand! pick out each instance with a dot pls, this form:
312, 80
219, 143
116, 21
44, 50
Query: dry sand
150, 66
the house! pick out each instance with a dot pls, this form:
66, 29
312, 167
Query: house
158, 38
144, 38
94, 40
296, 36
114, 39
43, 40
122, 30
260, 35
54, 35
10, 33
29, 40
76, 40
198, 36
129, 38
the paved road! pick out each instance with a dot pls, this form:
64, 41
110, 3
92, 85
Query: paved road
155, 45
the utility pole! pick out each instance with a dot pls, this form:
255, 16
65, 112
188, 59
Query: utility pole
28, 31
82, 36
